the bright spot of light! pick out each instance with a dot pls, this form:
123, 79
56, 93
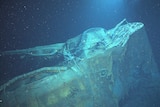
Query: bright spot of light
113, 2
107, 3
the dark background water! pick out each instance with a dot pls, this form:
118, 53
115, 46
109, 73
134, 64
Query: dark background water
29, 23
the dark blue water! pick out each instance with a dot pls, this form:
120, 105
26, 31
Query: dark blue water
28, 23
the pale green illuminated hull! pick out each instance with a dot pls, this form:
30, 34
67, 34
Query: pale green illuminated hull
99, 76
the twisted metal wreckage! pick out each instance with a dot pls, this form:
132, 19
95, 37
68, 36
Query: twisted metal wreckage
91, 39
101, 69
